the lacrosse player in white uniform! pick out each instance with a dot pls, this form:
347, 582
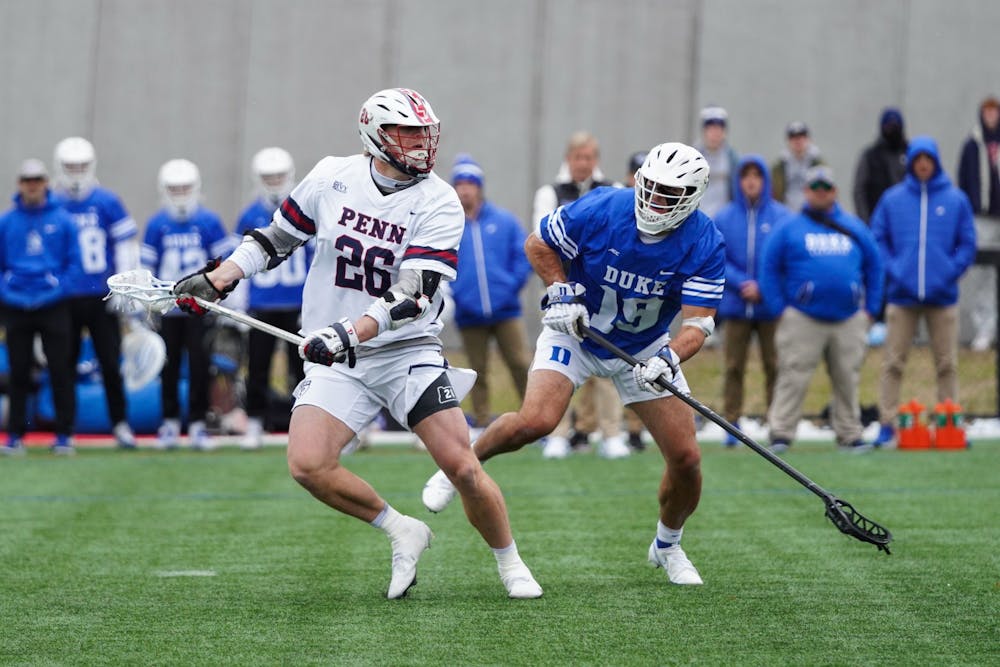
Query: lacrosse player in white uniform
387, 231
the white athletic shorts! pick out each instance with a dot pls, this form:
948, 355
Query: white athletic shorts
556, 351
394, 379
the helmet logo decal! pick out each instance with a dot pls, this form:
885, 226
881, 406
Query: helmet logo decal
418, 105
365, 117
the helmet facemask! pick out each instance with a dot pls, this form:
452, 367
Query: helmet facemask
412, 150
274, 171
180, 188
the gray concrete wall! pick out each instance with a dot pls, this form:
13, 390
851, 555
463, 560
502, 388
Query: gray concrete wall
215, 80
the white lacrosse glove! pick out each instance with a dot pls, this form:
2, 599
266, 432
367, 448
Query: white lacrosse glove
565, 310
331, 345
665, 364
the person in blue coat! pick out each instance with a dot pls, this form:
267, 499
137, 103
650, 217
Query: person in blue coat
492, 271
822, 270
39, 253
745, 223
925, 230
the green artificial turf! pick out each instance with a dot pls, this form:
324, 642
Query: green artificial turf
85, 544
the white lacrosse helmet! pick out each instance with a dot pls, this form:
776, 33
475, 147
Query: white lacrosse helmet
381, 117
75, 167
180, 188
668, 187
274, 172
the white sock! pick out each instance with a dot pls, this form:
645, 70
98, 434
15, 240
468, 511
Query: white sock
507, 557
667, 537
387, 519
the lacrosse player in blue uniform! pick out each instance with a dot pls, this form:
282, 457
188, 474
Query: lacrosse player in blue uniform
180, 239
109, 244
275, 296
624, 262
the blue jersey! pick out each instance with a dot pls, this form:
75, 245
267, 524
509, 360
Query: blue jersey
634, 289
101, 222
281, 287
173, 249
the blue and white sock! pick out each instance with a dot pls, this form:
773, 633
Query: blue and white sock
667, 537
386, 519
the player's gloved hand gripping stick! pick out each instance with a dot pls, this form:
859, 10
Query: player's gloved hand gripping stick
843, 515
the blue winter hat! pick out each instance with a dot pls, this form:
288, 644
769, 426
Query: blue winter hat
466, 169
891, 115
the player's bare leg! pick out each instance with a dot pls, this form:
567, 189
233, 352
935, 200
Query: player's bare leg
545, 401
445, 434
315, 441
671, 423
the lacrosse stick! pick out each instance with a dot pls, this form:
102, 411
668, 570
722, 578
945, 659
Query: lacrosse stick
139, 286
843, 515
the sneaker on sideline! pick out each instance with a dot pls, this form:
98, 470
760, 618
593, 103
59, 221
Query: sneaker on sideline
729, 440
519, 583
556, 447
63, 445
779, 446
168, 436
886, 437
614, 448
412, 540
13, 447
199, 437
675, 562
253, 438
124, 437
857, 446
438, 492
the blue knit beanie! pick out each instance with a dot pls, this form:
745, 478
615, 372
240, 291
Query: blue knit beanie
466, 169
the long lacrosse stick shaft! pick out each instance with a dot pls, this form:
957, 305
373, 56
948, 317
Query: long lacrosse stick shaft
251, 322
843, 515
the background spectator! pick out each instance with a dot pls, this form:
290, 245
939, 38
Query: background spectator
492, 271
882, 164
180, 239
824, 265
108, 239
578, 175
721, 158
979, 180
274, 296
927, 237
746, 223
39, 254
788, 174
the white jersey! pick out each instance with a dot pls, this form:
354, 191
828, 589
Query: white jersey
363, 238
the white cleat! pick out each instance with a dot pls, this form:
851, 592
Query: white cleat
556, 447
614, 448
519, 583
675, 562
413, 539
438, 492
199, 437
253, 438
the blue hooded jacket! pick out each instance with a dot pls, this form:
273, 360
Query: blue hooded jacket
921, 226
745, 229
820, 271
492, 268
39, 253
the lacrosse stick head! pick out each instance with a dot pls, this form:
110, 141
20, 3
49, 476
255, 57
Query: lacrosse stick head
851, 522
143, 356
140, 289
